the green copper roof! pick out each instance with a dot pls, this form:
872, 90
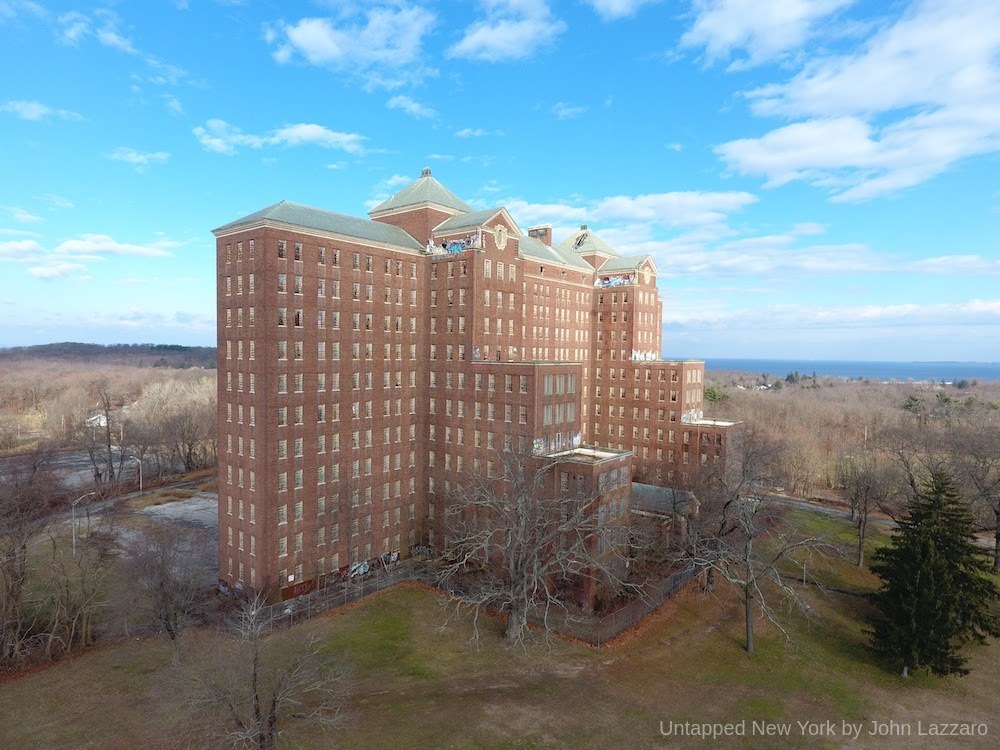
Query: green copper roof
424, 190
530, 247
464, 221
584, 241
327, 221
628, 263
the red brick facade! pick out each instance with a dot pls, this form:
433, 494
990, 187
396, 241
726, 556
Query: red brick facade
359, 380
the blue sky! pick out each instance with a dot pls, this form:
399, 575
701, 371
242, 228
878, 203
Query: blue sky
814, 178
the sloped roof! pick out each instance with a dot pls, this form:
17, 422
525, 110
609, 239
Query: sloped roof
424, 189
464, 221
665, 500
583, 241
626, 263
530, 247
296, 214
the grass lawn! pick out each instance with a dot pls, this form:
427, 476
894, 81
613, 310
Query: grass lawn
421, 684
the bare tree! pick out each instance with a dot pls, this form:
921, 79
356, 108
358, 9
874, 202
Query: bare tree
519, 545
914, 449
29, 491
868, 486
976, 459
76, 584
162, 564
741, 535
247, 691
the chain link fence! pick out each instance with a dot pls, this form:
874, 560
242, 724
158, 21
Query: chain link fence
593, 629
598, 630
341, 593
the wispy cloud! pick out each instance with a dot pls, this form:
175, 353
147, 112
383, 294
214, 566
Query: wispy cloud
510, 30
411, 107
141, 160
173, 104
34, 110
564, 111
612, 10
103, 25
222, 138
763, 31
55, 201
70, 258
103, 244
477, 133
382, 43
12, 10
20, 215
922, 94
56, 270
912, 314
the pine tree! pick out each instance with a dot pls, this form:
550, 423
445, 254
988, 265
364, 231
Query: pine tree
937, 590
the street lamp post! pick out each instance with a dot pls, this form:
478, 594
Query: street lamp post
140, 473
73, 509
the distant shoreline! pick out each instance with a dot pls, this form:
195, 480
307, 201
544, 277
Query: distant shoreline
940, 371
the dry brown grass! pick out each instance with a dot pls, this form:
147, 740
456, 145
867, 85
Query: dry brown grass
421, 684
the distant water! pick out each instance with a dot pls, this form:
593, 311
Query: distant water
902, 371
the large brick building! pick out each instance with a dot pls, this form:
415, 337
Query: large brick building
366, 365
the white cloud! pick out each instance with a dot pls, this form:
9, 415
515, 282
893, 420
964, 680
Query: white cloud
611, 10
221, 137
763, 30
173, 104
21, 215
808, 228
477, 133
34, 110
411, 107
110, 37
922, 94
56, 201
382, 44
975, 312
317, 135
11, 10
96, 245
56, 270
564, 111
20, 250
511, 30
528, 214
103, 26
396, 180
684, 208
959, 265
139, 159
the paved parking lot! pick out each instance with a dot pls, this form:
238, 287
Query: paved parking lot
200, 511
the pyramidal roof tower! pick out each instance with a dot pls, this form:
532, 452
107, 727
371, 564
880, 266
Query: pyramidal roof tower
589, 246
420, 206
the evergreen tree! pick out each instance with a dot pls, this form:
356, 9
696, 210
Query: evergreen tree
937, 589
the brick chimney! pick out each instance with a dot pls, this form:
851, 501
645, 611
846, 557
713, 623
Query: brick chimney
542, 232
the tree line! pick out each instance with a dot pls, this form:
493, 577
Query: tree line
165, 418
